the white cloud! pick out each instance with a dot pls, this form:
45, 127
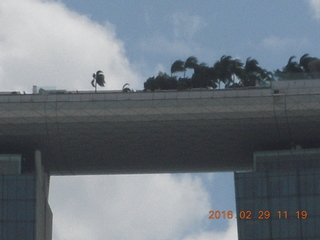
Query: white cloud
230, 234
182, 41
160, 44
315, 7
128, 207
43, 43
134, 207
282, 43
186, 26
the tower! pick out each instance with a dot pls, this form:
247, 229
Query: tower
280, 198
24, 210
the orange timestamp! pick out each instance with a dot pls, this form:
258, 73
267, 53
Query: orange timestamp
258, 215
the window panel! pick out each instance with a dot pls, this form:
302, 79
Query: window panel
30, 210
275, 205
293, 226
274, 186
307, 185
20, 210
292, 204
30, 230
262, 229
260, 187
249, 187
284, 227
276, 228
11, 213
30, 189
21, 192
317, 207
250, 228
308, 227
308, 204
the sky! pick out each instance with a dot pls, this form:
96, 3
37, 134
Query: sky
60, 43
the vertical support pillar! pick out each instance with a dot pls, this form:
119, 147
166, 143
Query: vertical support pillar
24, 210
43, 211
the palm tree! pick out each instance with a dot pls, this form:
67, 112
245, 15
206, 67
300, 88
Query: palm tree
252, 70
310, 65
98, 78
225, 69
204, 76
253, 73
304, 62
303, 70
178, 66
292, 70
315, 68
126, 88
236, 69
191, 62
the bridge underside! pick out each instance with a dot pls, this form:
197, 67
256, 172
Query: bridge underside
163, 146
156, 134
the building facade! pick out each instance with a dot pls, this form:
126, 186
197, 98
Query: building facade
24, 210
280, 198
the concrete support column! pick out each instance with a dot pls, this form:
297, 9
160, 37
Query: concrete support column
43, 211
24, 210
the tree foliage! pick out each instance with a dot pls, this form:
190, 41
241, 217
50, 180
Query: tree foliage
304, 69
162, 82
178, 66
231, 73
98, 79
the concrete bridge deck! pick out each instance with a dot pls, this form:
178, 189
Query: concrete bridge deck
120, 133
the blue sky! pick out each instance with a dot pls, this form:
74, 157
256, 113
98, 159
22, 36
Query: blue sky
61, 43
156, 34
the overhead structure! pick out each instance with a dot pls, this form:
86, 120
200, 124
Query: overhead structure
171, 131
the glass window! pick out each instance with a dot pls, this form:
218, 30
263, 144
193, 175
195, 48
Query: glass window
308, 227
9, 230
276, 228
262, 229
284, 227
1, 190
249, 205
317, 228
239, 185
260, 204
2, 207
21, 233
9, 189
274, 205
30, 227
20, 210
317, 184
289, 204
293, 228
308, 204
274, 186
307, 185
293, 185
260, 187
30, 189
11, 210
249, 188
290, 186
21, 192
30, 210
317, 207
250, 228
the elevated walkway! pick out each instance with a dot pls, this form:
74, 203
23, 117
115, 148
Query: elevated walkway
191, 131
